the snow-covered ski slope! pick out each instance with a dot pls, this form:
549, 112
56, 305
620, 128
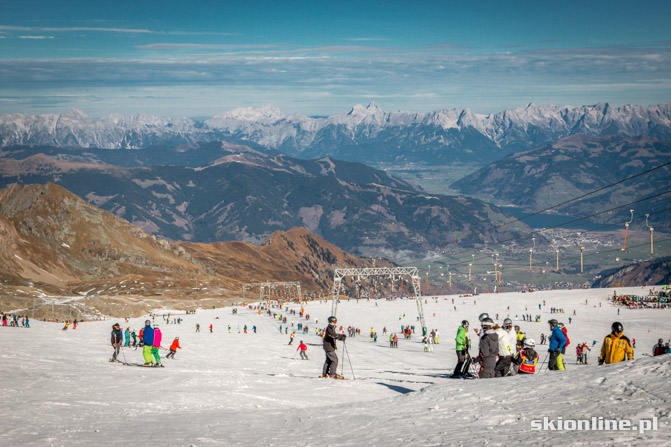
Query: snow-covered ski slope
58, 388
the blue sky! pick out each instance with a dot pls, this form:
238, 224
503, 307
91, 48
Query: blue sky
200, 58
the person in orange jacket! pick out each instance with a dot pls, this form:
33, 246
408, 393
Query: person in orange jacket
616, 346
173, 348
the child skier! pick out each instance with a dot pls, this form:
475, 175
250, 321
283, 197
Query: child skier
528, 358
302, 348
173, 348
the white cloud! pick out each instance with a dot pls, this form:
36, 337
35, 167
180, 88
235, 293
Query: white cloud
48, 29
36, 37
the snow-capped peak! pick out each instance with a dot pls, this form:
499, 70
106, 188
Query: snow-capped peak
266, 114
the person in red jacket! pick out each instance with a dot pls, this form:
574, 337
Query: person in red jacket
302, 347
173, 348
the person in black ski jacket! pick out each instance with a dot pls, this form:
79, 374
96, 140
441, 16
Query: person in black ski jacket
330, 339
489, 348
659, 348
116, 341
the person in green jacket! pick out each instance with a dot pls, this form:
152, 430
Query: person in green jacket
462, 348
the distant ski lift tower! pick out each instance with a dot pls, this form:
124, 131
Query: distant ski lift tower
652, 251
626, 228
384, 272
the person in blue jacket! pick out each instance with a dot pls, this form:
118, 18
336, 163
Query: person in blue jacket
557, 342
148, 340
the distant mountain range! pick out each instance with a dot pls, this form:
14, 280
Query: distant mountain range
63, 245
244, 194
365, 134
573, 166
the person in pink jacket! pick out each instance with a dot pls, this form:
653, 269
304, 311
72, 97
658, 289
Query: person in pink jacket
157, 345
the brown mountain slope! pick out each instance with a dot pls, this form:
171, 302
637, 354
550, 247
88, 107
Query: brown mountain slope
54, 244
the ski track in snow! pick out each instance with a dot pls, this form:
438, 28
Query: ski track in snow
58, 387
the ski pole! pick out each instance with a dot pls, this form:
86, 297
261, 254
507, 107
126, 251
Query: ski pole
543, 364
124, 355
348, 359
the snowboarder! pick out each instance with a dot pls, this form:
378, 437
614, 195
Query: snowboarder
461, 348
302, 348
557, 342
528, 358
489, 347
116, 341
616, 346
330, 339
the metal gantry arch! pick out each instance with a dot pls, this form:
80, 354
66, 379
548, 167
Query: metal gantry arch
390, 272
265, 288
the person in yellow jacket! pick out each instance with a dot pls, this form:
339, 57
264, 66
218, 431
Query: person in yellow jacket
616, 346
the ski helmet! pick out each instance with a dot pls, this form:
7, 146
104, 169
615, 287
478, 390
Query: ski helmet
530, 342
147, 322
487, 322
553, 322
116, 325
617, 327
155, 325
517, 328
561, 325
483, 316
332, 319
507, 322
661, 342
464, 323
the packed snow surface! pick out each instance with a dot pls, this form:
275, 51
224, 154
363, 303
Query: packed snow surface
236, 389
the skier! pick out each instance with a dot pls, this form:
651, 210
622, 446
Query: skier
291, 338
126, 337
330, 339
157, 345
116, 341
528, 358
211, 328
489, 346
148, 343
134, 335
505, 351
583, 353
197, 327
461, 348
519, 338
173, 348
557, 342
659, 348
560, 359
302, 348
616, 346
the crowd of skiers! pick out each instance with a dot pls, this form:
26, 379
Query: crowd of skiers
15, 320
150, 338
504, 350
